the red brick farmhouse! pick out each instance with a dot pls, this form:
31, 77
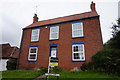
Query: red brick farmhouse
72, 39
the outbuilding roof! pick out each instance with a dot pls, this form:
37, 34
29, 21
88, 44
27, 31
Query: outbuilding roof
8, 51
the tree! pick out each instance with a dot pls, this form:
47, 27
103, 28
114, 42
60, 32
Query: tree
116, 28
115, 41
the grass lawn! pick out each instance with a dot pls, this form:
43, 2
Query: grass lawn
20, 74
85, 76
29, 75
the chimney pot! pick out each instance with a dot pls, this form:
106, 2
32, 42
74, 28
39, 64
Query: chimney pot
35, 18
92, 6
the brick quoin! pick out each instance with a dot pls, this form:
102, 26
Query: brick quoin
92, 38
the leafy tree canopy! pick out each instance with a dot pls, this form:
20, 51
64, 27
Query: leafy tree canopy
115, 41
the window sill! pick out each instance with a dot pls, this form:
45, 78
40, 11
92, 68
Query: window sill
53, 39
34, 41
32, 60
77, 37
78, 60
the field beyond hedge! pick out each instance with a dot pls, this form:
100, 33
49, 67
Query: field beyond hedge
29, 75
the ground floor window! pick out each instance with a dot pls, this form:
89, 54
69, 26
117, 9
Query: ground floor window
32, 53
78, 52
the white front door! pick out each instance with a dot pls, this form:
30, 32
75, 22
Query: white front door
53, 51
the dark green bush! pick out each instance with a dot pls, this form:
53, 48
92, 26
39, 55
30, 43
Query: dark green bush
57, 69
84, 67
106, 60
43, 69
11, 65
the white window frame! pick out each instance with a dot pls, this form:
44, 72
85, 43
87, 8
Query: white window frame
79, 52
32, 53
73, 29
57, 32
35, 35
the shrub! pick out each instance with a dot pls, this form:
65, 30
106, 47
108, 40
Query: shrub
84, 67
11, 65
57, 69
106, 60
43, 69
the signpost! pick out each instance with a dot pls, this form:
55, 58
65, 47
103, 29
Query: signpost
49, 74
53, 61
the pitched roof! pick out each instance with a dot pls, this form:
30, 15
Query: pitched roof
64, 19
16, 53
8, 51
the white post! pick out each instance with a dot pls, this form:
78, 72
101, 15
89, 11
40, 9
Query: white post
48, 67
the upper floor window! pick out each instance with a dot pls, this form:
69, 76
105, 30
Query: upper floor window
77, 29
35, 35
54, 32
78, 52
32, 53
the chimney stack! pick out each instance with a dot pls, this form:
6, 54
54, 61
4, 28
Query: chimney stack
92, 6
35, 18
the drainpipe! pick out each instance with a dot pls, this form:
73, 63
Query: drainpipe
20, 50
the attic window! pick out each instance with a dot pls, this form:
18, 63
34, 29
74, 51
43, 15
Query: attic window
77, 29
54, 32
35, 35
32, 53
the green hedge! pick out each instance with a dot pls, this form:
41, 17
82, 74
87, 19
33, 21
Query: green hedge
11, 65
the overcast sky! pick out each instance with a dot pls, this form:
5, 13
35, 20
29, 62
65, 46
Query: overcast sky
17, 14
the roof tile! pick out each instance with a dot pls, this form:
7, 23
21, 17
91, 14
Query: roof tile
64, 19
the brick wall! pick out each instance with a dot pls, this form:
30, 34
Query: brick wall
92, 38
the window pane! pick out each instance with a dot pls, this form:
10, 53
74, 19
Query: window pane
76, 56
53, 29
75, 48
74, 33
80, 47
54, 36
34, 38
32, 56
81, 56
34, 32
78, 32
33, 50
